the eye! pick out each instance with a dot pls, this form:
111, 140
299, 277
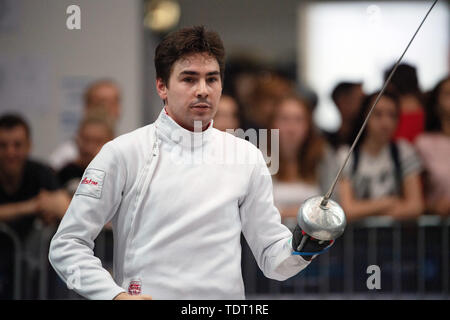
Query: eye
188, 80
213, 79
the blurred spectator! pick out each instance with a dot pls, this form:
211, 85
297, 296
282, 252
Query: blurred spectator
269, 88
405, 84
241, 74
95, 130
29, 195
434, 148
305, 159
227, 116
382, 177
27, 188
347, 96
104, 95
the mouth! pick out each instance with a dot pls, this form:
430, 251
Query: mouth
201, 106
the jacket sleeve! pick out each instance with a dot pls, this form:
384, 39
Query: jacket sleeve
268, 238
94, 204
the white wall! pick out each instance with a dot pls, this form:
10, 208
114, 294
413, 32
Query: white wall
44, 66
359, 40
265, 28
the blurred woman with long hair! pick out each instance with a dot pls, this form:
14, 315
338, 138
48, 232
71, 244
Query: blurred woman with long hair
305, 161
383, 176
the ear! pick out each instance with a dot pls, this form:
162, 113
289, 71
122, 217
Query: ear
161, 88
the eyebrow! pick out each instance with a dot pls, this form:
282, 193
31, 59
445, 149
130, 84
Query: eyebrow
194, 73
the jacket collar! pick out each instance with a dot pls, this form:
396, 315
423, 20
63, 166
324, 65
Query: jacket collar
173, 131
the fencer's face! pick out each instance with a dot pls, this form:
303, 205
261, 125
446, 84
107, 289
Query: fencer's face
292, 120
14, 149
193, 90
383, 122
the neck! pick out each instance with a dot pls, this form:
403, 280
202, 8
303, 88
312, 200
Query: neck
289, 155
409, 102
290, 169
10, 182
373, 146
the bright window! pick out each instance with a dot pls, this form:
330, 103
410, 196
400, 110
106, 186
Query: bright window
358, 41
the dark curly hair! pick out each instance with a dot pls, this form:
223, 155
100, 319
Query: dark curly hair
184, 42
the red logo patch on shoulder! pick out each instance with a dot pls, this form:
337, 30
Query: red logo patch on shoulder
89, 181
135, 288
92, 183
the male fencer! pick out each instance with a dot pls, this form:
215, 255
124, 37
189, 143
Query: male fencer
177, 207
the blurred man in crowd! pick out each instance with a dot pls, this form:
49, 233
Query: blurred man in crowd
347, 97
227, 116
104, 95
28, 189
29, 194
94, 131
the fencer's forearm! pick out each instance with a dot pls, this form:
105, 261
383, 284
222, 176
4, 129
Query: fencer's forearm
268, 238
285, 264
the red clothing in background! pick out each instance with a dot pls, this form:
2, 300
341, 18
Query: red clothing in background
410, 125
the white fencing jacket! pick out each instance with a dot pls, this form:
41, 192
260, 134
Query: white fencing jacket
178, 201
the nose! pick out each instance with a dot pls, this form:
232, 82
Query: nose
202, 90
11, 150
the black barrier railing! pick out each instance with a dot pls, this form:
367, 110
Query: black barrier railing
413, 258
17, 259
46, 234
